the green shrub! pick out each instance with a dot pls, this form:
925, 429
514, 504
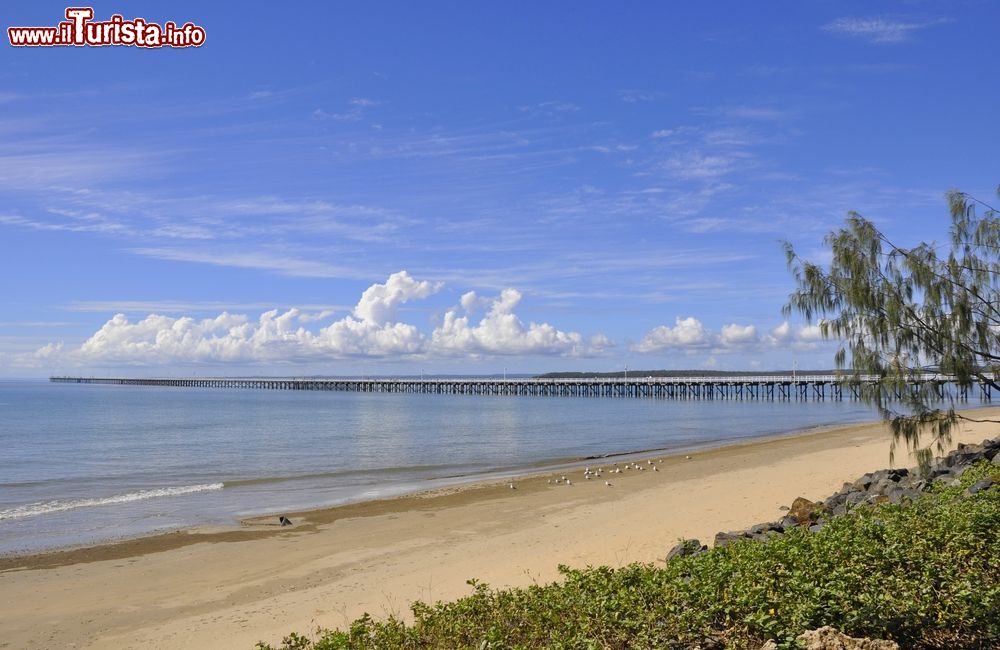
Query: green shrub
925, 574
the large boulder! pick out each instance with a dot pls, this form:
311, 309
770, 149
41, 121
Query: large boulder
805, 511
723, 539
979, 486
899, 495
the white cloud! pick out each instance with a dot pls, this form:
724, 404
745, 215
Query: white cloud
288, 265
781, 333
810, 333
877, 30
686, 334
352, 115
501, 332
695, 165
690, 335
549, 107
737, 335
371, 330
379, 302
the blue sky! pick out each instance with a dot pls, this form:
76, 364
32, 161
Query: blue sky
465, 187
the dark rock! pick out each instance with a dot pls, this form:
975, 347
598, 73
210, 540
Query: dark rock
724, 539
815, 528
962, 458
789, 522
864, 482
881, 486
856, 498
996, 459
979, 486
685, 548
770, 527
899, 495
836, 500
936, 472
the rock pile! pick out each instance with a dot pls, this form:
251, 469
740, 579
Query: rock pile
884, 486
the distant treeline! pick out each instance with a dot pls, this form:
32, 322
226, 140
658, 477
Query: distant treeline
679, 373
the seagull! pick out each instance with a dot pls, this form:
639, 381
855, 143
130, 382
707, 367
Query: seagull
569, 482
512, 486
608, 483
687, 458
655, 468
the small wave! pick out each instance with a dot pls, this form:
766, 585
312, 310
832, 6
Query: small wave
49, 507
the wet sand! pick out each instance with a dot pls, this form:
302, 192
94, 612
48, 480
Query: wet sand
231, 587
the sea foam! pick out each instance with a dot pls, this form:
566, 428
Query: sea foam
50, 507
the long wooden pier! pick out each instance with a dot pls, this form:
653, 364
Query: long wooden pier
765, 387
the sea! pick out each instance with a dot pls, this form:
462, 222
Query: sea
82, 464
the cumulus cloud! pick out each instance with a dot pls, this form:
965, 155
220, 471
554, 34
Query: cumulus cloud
501, 332
690, 335
379, 302
686, 334
738, 334
372, 329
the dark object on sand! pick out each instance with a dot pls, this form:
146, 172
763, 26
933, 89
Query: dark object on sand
285, 521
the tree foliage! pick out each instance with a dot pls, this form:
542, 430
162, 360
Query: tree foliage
901, 314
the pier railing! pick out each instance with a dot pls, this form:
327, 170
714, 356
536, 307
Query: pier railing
749, 387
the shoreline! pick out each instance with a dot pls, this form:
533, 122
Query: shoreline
232, 588
254, 525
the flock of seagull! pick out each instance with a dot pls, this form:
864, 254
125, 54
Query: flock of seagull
589, 474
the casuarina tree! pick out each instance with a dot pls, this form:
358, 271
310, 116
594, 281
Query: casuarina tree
902, 314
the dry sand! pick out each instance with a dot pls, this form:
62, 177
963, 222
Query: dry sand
231, 588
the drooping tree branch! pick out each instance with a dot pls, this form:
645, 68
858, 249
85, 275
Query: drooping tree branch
901, 312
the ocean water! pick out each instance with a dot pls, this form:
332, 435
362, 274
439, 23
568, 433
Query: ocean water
82, 464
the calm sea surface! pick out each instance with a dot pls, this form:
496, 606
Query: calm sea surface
88, 463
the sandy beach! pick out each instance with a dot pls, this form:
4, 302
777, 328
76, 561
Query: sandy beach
229, 588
